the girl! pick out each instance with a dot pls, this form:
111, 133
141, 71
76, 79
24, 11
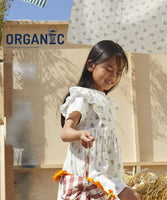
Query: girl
87, 117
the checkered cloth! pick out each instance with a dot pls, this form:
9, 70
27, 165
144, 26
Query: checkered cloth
79, 188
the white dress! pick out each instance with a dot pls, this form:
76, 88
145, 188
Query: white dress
97, 111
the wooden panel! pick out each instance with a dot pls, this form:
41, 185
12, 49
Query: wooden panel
8, 88
35, 185
1, 53
1, 121
136, 133
9, 172
158, 170
151, 93
41, 80
1, 93
2, 163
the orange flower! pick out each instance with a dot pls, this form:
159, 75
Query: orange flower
111, 194
90, 179
60, 173
63, 172
97, 183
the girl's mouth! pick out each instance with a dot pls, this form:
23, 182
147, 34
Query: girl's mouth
109, 82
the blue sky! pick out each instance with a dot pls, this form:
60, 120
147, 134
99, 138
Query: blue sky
54, 10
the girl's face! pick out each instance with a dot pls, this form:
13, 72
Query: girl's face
106, 74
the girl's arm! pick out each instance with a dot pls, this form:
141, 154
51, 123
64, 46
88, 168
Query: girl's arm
69, 134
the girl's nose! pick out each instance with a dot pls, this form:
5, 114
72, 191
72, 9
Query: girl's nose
113, 75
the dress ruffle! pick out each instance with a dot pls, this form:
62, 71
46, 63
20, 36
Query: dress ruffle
79, 95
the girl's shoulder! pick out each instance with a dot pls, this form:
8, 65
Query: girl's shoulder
92, 96
84, 91
87, 93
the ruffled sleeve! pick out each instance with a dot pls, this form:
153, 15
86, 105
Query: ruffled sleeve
74, 102
83, 99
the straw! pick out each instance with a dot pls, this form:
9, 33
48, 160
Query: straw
148, 185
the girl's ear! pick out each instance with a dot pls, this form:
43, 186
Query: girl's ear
90, 65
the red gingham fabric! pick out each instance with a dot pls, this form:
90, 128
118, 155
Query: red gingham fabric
78, 188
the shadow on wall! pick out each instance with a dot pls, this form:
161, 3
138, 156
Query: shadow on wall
151, 105
39, 79
159, 99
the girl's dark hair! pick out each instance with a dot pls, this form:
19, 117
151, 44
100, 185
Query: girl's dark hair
100, 52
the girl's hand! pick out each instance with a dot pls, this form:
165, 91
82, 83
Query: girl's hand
85, 138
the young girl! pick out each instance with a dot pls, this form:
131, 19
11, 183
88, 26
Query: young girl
87, 117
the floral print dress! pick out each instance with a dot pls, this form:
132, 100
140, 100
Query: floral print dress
97, 111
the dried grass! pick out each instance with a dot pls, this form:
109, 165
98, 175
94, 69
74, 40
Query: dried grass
148, 185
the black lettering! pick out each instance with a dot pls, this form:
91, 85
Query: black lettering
26, 39
42, 38
35, 39
9, 39
58, 39
18, 38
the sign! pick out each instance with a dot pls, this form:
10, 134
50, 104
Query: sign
35, 40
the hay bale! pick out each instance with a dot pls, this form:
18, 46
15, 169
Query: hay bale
148, 185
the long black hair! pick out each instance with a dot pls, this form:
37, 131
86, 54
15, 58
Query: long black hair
99, 53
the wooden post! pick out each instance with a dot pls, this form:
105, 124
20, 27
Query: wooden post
2, 162
8, 89
9, 172
137, 146
1, 94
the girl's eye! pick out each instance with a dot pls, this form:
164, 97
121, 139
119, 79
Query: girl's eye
109, 70
112, 72
119, 73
